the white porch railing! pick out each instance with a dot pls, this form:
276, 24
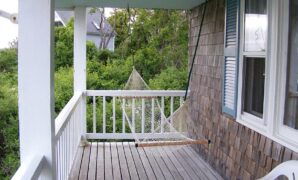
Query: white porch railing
68, 135
32, 170
67, 138
68, 124
101, 119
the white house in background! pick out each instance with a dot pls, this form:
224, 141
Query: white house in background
94, 33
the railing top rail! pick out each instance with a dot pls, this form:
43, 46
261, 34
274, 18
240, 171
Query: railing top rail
30, 170
65, 114
135, 93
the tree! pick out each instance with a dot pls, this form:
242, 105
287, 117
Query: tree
120, 20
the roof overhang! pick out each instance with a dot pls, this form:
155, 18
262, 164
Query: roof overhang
146, 4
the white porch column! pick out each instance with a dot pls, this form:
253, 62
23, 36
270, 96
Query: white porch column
36, 83
80, 32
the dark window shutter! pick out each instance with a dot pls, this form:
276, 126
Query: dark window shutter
230, 70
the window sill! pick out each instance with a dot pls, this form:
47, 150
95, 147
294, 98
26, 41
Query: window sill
252, 122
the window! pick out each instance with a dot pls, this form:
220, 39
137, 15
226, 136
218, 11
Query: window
291, 100
253, 57
260, 70
254, 85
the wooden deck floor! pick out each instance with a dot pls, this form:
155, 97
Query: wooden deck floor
125, 161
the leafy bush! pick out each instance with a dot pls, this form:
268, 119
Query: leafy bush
63, 87
9, 144
170, 79
8, 60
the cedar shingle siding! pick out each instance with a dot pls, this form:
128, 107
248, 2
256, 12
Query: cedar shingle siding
236, 152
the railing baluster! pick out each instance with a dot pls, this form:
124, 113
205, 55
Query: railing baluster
94, 114
133, 114
104, 114
172, 108
143, 115
58, 160
152, 115
69, 145
114, 114
123, 116
64, 155
71, 139
181, 101
162, 113
180, 122
66, 152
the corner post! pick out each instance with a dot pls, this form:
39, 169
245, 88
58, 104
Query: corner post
36, 83
80, 32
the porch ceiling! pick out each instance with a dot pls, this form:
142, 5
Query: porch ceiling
148, 4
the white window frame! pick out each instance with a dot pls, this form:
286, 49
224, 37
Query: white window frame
248, 119
271, 125
282, 131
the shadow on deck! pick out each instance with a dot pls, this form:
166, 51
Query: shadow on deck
125, 161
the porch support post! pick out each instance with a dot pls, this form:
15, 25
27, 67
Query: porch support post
80, 32
36, 83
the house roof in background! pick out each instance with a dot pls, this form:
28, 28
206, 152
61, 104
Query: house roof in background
93, 21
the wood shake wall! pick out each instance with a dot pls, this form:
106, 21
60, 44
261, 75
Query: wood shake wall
236, 152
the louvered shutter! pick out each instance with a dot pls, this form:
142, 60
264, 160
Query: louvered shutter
230, 71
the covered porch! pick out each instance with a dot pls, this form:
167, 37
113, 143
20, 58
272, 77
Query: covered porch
66, 148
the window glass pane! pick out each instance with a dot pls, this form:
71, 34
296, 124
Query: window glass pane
254, 85
291, 111
255, 28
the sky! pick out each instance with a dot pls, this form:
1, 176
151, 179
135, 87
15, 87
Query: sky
8, 30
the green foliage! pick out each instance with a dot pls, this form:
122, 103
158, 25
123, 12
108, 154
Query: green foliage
63, 87
9, 145
104, 55
8, 60
64, 45
92, 52
170, 79
121, 25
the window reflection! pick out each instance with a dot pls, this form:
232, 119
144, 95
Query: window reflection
255, 29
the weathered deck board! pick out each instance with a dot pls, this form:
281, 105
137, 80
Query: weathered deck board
100, 164
74, 174
92, 164
160, 168
197, 170
125, 161
140, 168
183, 164
146, 164
156, 169
130, 162
176, 163
122, 162
115, 162
168, 162
201, 164
85, 164
108, 162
